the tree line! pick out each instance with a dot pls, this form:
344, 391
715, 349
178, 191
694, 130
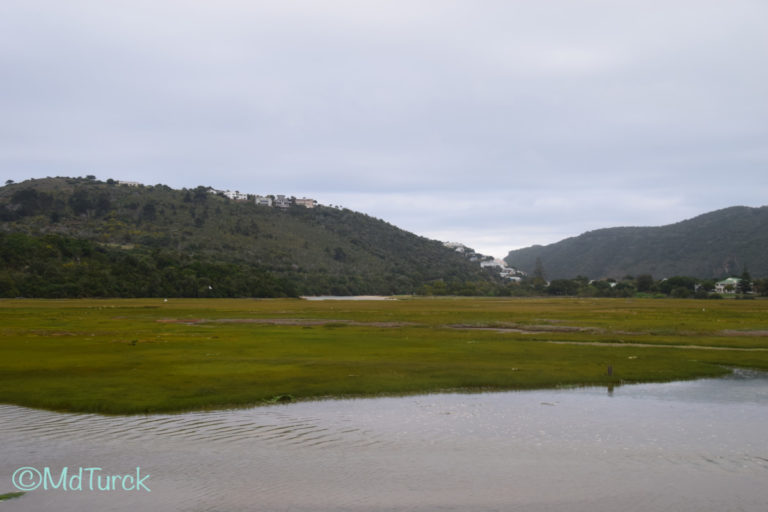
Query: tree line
640, 286
54, 266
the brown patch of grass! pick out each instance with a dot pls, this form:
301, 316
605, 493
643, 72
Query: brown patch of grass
298, 322
730, 332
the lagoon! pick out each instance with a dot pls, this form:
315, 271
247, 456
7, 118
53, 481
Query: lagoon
685, 446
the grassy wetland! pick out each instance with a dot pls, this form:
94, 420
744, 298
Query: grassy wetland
129, 356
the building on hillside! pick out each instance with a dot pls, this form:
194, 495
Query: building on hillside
129, 183
490, 261
456, 246
236, 195
282, 202
305, 202
730, 285
263, 201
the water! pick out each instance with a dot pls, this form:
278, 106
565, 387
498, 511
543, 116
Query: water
685, 446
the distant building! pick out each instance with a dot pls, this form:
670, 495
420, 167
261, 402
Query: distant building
236, 195
282, 202
307, 203
492, 262
456, 246
730, 285
263, 201
129, 183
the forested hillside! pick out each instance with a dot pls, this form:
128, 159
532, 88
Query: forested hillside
70, 237
713, 245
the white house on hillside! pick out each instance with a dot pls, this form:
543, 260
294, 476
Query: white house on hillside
263, 201
236, 195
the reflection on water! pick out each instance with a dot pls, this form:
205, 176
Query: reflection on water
685, 446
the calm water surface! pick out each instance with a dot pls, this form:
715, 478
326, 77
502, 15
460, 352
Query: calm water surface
686, 446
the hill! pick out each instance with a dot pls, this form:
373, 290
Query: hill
82, 237
713, 245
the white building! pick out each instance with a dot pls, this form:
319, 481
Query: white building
282, 202
494, 262
263, 201
236, 195
730, 285
456, 246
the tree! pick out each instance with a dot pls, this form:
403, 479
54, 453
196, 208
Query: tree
149, 211
563, 287
201, 194
80, 202
103, 204
745, 284
668, 285
339, 254
761, 286
644, 283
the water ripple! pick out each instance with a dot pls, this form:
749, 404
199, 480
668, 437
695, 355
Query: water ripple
228, 426
454, 452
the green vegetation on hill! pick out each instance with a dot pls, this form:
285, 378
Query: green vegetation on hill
711, 246
79, 237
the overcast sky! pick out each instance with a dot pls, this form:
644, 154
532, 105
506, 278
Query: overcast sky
498, 124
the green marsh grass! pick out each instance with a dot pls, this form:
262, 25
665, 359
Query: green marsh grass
145, 355
11, 495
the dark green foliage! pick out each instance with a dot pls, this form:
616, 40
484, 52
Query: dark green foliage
563, 287
80, 202
62, 267
644, 283
745, 285
75, 237
149, 212
28, 201
714, 245
678, 286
